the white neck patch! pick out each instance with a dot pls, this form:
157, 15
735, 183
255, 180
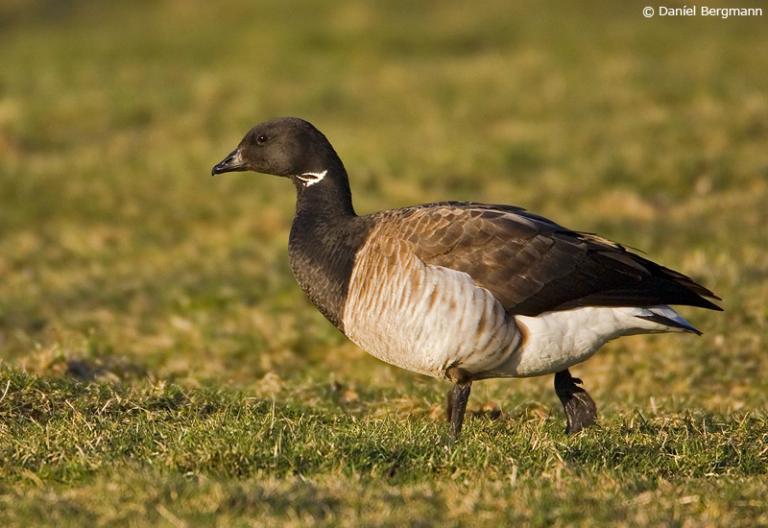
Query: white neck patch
311, 178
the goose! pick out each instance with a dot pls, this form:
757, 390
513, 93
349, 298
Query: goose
461, 291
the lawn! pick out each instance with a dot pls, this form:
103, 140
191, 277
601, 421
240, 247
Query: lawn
159, 366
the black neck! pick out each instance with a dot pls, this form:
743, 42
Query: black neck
325, 238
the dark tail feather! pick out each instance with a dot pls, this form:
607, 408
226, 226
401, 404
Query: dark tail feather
666, 321
682, 289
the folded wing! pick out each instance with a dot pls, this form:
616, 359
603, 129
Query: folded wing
533, 265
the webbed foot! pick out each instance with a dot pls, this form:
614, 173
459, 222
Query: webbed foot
580, 409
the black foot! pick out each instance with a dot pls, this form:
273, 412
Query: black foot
580, 410
456, 406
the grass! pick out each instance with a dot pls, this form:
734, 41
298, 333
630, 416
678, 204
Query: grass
159, 365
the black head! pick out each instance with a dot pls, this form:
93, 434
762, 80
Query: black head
286, 146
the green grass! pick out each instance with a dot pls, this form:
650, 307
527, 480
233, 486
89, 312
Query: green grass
158, 365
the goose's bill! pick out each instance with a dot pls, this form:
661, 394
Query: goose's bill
233, 162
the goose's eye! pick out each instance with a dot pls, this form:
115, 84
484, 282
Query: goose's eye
261, 139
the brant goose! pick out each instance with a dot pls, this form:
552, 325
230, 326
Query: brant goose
461, 290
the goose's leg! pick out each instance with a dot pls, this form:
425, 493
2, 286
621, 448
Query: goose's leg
457, 405
456, 401
580, 410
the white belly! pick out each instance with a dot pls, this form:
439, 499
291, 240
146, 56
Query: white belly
425, 318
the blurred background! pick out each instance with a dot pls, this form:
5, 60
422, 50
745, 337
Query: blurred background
122, 259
